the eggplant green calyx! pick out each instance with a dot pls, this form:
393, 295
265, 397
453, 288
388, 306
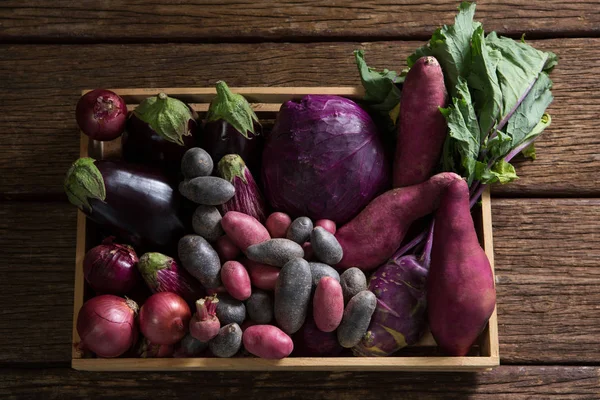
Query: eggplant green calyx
234, 109
84, 182
231, 166
167, 116
150, 263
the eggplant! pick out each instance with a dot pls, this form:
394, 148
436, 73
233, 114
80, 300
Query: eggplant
162, 274
159, 132
232, 128
135, 202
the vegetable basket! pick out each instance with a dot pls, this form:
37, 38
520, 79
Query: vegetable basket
266, 102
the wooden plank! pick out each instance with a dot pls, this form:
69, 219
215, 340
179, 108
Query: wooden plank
505, 382
41, 85
547, 253
294, 20
548, 279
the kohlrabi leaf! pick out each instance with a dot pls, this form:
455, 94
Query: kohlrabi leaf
463, 129
451, 46
483, 83
529, 151
518, 69
381, 91
502, 172
530, 111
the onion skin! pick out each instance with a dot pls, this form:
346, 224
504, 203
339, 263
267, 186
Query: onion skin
106, 325
164, 318
101, 114
111, 268
148, 349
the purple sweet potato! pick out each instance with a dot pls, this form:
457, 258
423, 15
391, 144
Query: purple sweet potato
236, 280
278, 224
328, 304
460, 288
244, 230
375, 234
422, 128
267, 341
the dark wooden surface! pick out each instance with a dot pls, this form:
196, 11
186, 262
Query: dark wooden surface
545, 225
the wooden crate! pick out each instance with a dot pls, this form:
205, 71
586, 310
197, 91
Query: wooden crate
266, 102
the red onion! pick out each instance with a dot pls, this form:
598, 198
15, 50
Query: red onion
106, 325
164, 318
101, 114
147, 349
111, 268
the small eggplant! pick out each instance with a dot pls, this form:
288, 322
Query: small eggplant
231, 128
248, 198
159, 132
162, 274
136, 202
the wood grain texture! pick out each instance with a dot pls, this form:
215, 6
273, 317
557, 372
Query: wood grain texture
505, 382
547, 253
289, 20
41, 85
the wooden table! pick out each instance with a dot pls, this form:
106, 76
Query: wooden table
546, 225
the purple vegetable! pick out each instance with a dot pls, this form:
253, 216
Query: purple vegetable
399, 318
101, 114
309, 341
136, 202
111, 268
163, 274
323, 159
230, 128
189, 347
248, 198
147, 349
159, 132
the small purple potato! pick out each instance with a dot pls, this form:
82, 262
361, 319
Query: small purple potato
230, 310
356, 319
275, 252
206, 222
299, 230
260, 307
353, 280
207, 190
328, 304
196, 162
325, 246
292, 295
227, 342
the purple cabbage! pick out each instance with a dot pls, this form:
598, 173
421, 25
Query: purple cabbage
400, 317
323, 159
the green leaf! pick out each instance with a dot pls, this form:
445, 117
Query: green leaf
529, 151
167, 116
531, 111
380, 86
84, 182
502, 172
451, 46
551, 62
483, 83
463, 129
234, 109
518, 68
